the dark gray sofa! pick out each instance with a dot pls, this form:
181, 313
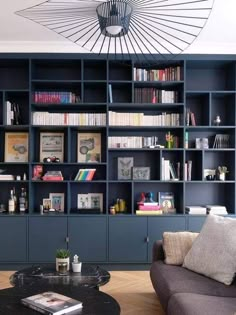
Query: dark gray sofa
183, 292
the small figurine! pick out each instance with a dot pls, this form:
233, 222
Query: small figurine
76, 259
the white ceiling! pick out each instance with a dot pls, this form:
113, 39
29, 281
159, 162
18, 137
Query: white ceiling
18, 34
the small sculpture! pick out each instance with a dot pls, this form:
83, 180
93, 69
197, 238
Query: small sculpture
76, 264
76, 259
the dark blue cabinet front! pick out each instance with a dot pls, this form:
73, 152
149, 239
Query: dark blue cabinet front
156, 227
46, 235
127, 239
195, 223
88, 238
13, 239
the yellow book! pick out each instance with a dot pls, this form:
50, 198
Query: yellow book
149, 212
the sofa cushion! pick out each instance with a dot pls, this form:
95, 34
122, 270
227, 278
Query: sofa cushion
168, 280
196, 304
214, 251
176, 246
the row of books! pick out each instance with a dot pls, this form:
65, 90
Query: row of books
71, 119
54, 97
154, 96
166, 74
190, 118
13, 116
221, 141
140, 119
188, 170
169, 171
85, 174
132, 142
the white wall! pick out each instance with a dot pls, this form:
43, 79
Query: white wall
20, 35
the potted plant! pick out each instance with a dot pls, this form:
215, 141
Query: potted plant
62, 259
76, 264
221, 172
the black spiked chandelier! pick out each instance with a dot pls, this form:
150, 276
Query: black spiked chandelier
133, 27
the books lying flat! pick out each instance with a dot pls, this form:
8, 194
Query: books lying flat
149, 212
216, 209
143, 207
52, 303
195, 210
85, 174
6, 177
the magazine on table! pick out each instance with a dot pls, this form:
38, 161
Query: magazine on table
52, 303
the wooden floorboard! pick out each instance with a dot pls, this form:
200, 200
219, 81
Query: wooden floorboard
132, 289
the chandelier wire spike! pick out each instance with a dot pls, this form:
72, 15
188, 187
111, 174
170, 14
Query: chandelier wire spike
125, 27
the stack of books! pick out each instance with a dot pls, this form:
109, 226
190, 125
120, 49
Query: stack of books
196, 210
6, 177
148, 208
53, 175
85, 174
216, 209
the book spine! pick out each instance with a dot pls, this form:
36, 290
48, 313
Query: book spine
36, 308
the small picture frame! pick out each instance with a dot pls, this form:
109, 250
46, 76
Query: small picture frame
83, 201
16, 147
47, 204
51, 145
88, 147
141, 173
96, 201
124, 168
202, 143
57, 201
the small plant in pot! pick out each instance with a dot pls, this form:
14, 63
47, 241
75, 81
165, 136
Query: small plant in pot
76, 264
62, 259
221, 172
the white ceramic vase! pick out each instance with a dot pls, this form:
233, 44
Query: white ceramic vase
76, 267
222, 176
63, 260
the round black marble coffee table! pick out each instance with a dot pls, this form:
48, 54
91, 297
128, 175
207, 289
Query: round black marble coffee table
90, 276
94, 302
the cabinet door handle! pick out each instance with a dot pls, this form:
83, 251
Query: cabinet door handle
147, 239
67, 239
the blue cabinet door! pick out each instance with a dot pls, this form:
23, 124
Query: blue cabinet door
127, 239
156, 227
195, 223
88, 238
46, 235
13, 239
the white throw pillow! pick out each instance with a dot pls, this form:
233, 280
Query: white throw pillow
176, 246
213, 253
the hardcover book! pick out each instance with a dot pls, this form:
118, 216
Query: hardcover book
52, 303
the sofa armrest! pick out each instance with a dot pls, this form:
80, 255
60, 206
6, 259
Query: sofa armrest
157, 251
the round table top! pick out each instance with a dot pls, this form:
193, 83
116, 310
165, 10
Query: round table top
94, 302
90, 276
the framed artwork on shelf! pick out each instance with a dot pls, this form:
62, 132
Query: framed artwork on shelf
89, 148
16, 147
141, 173
124, 167
57, 201
47, 204
83, 201
51, 145
96, 201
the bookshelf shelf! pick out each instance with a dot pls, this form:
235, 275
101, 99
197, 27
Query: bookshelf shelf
84, 86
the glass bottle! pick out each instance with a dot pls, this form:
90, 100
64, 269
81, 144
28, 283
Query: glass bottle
22, 200
11, 202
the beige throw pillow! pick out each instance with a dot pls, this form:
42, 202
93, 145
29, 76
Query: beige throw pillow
213, 253
176, 245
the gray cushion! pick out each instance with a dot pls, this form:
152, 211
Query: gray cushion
213, 253
196, 304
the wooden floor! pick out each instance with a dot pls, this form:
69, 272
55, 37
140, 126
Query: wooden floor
132, 289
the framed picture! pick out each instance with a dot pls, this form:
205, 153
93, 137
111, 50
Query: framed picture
83, 201
52, 144
89, 148
47, 204
141, 173
202, 143
16, 147
57, 201
96, 201
124, 167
